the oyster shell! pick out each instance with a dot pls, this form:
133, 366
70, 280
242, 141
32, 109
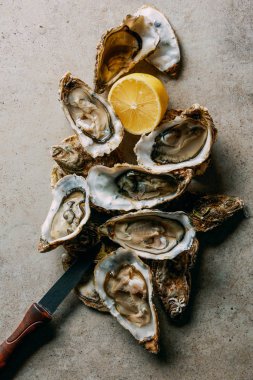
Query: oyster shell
91, 117
68, 213
87, 293
124, 283
151, 234
121, 48
166, 56
184, 142
70, 155
173, 280
72, 158
210, 211
56, 174
87, 238
206, 211
126, 187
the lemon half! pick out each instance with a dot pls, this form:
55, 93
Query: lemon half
140, 101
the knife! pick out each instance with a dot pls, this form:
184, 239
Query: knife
40, 313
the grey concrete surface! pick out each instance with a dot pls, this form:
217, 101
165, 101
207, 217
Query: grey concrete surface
39, 42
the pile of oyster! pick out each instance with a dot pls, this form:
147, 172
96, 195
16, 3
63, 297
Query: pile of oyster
140, 217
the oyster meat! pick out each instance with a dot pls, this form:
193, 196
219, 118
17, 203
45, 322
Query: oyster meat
124, 283
126, 187
184, 142
173, 280
166, 56
121, 48
68, 213
151, 234
91, 117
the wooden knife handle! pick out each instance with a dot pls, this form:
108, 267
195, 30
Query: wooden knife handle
34, 317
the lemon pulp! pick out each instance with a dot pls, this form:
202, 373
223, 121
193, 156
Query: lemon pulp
140, 101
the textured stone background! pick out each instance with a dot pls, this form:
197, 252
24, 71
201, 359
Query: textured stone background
39, 42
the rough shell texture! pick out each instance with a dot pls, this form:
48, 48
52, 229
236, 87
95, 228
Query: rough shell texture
107, 247
126, 187
56, 174
146, 146
85, 290
166, 56
71, 158
173, 281
206, 211
70, 155
151, 234
87, 238
116, 58
90, 116
210, 211
130, 298
68, 212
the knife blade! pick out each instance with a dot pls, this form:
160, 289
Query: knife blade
41, 312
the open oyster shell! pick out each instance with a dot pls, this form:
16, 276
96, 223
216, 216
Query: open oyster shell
184, 142
151, 234
71, 158
68, 212
121, 48
166, 56
124, 283
126, 187
91, 117
173, 280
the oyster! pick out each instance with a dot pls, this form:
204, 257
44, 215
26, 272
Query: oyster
184, 142
68, 213
127, 187
91, 117
70, 155
210, 211
72, 158
124, 283
206, 211
151, 234
166, 56
121, 48
173, 280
